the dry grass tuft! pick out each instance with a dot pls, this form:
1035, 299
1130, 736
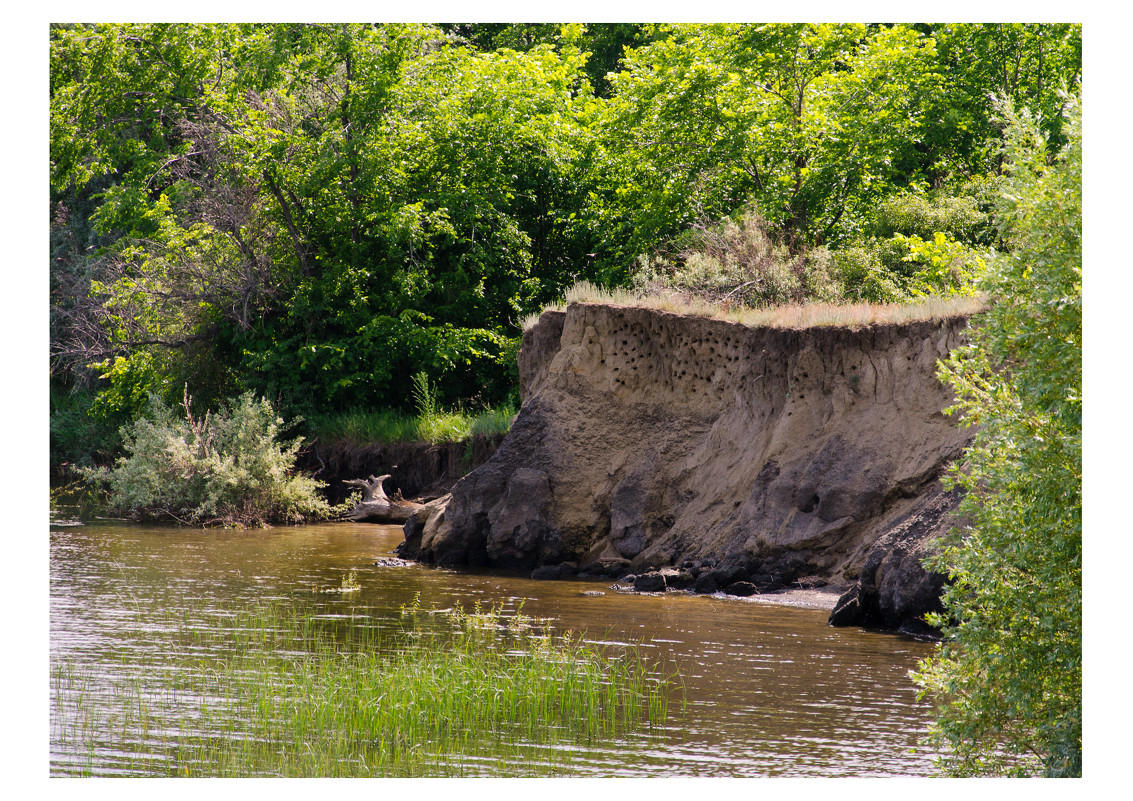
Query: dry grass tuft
809, 315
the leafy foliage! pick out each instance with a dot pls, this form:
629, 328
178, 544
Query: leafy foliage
917, 245
315, 213
1008, 677
227, 468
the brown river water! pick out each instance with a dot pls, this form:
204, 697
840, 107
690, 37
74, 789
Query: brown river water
771, 690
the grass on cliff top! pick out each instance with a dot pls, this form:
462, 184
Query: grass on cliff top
853, 315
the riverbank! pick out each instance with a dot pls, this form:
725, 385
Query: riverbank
421, 471
708, 455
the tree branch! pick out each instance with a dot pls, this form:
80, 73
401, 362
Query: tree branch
291, 229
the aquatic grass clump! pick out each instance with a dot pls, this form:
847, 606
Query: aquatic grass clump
444, 692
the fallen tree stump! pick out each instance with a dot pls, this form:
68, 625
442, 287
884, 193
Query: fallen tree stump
376, 506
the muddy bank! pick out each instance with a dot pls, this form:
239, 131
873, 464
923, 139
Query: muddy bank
705, 456
420, 470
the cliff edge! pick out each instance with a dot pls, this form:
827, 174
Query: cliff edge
706, 455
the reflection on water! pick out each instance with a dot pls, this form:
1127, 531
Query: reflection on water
771, 690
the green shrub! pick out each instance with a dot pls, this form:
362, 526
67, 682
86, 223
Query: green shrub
943, 266
227, 468
865, 277
923, 216
78, 437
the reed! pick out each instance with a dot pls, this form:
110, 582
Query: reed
435, 693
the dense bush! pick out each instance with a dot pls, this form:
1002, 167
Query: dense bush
1008, 677
918, 245
739, 262
227, 468
916, 215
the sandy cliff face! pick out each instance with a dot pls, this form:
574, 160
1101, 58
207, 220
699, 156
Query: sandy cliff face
651, 440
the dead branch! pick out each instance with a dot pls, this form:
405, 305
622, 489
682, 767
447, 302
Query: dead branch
376, 506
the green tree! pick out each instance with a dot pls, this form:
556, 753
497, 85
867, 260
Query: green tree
120, 101
1007, 679
1027, 63
449, 219
603, 42
811, 123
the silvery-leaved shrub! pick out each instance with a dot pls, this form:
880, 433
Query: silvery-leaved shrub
740, 262
227, 468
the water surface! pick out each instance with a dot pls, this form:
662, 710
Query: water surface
771, 690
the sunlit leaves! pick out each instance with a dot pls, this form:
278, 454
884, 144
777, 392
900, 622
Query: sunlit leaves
1008, 677
811, 122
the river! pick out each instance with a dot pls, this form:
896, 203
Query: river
771, 690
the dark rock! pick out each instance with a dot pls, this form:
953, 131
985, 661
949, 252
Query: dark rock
415, 525
847, 612
605, 568
705, 584
918, 629
728, 575
778, 572
771, 583
422, 525
743, 588
895, 591
649, 582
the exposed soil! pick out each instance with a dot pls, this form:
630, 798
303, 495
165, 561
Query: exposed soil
754, 456
422, 471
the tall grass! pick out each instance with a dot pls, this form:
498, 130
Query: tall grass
366, 425
431, 423
440, 693
851, 315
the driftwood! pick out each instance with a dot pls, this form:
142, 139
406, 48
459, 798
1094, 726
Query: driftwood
376, 506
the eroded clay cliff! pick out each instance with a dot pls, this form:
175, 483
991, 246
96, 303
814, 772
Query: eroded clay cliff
731, 456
